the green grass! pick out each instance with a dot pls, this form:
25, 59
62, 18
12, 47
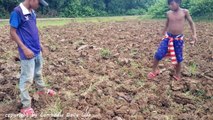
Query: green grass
105, 53
149, 17
140, 83
134, 64
44, 22
192, 68
63, 21
203, 19
195, 19
53, 108
3, 23
199, 93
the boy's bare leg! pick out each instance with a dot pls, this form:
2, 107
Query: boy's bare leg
155, 65
178, 70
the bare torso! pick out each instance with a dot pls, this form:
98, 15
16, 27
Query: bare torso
176, 21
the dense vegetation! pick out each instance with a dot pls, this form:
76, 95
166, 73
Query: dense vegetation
197, 8
81, 8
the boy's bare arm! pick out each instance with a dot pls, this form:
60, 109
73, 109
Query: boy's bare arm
192, 25
28, 53
166, 26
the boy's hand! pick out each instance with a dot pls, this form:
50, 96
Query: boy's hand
194, 40
28, 53
164, 33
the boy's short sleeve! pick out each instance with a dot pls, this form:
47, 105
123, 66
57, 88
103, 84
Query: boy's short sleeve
15, 19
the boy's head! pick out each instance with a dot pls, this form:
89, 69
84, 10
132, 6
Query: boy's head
34, 4
174, 4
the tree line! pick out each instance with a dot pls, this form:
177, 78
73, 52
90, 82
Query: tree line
197, 8
84, 8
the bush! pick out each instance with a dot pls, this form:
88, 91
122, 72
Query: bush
136, 12
159, 9
3, 14
87, 11
197, 8
202, 8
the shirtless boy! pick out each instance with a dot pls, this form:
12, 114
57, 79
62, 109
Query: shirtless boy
172, 44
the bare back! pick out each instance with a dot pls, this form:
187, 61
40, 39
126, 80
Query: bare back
176, 21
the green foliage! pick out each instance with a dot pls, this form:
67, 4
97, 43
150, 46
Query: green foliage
158, 10
192, 68
105, 53
3, 13
186, 4
197, 8
136, 12
83, 8
6, 6
72, 9
201, 8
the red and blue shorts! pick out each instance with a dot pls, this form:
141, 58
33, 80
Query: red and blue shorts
163, 48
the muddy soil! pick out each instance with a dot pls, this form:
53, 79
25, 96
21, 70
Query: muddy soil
100, 69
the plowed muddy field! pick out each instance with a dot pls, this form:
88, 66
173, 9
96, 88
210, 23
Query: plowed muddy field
99, 71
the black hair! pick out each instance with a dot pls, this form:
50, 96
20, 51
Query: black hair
177, 1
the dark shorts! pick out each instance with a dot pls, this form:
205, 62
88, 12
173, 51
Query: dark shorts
163, 49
